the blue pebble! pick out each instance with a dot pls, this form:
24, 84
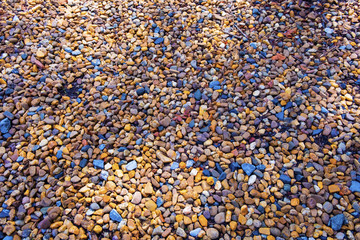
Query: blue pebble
324, 110
159, 202
214, 84
197, 95
59, 154
280, 115
261, 167
24, 56
96, 62
285, 179
222, 176
140, 91
98, 164
206, 173
131, 165
248, 168
139, 141
115, 216
189, 163
253, 45
5, 125
76, 53
5, 213
104, 175
8, 238
67, 49
289, 105
337, 221
192, 123
8, 114
83, 162
85, 148
317, 131
174, 166
121, 149
355, 186
250, 60
102, 146
195, 232
159, 40
234, 166
19, 159
218, 167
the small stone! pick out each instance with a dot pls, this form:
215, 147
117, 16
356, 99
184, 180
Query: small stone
248, 168
355, 186
45, 223
180, 232
157, 231
220, 218
328, 207
9, 229
97, 229
212, 233
41, 52
115, 216
333, 188
337, 221
136, 198
98, 164
148, 188
151, 205
131, 165
195, 232
203, 221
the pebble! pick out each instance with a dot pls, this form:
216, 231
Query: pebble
131, 165
212, 233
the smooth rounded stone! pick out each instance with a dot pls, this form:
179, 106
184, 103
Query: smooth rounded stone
94, 206
195, 232
328, 207
252, 180
220, 218
181, 232
131, 165
5, 125
212, 233
45, 223
136, 198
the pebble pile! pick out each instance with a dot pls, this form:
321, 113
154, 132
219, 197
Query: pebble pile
174, 119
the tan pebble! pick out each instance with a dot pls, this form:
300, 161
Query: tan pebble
97, 229
265, 231
148, 188
187, 220
261, 109
151, 205
41, 52
9, 229
131, 225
